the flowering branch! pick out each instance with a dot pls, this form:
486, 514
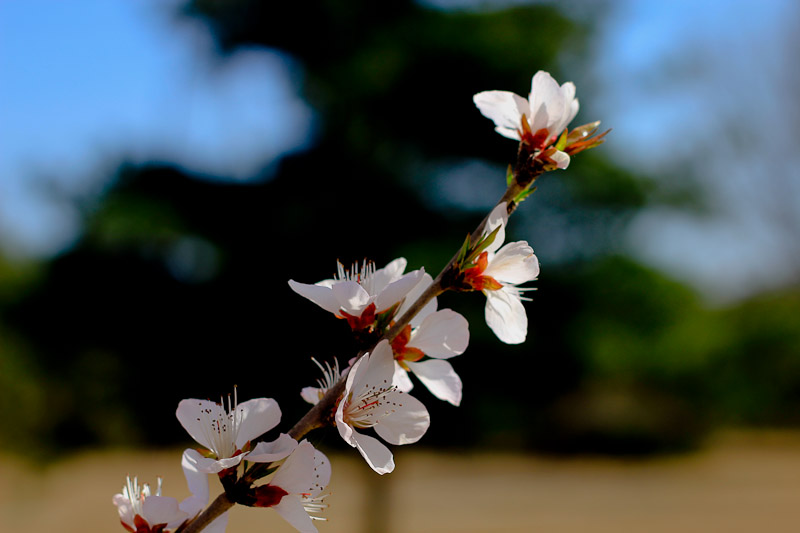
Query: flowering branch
321, 414
394, 317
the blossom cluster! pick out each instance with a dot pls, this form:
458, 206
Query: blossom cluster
406, 338
540, 121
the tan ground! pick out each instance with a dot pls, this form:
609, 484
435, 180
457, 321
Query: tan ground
741, 483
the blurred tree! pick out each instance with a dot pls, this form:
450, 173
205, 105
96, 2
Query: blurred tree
178, 287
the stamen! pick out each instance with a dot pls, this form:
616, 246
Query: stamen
519, 290
364, 410
221, 432
136, 494
364, 276
314, 505
330, 374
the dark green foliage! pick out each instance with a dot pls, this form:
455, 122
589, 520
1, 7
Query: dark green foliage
178, 286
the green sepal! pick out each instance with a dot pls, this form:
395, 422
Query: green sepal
562, 141
208, 454
481, 246
462, 253
382, 320
518, 199
257, 474
509, 176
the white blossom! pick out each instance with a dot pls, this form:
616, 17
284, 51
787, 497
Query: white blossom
227, 432
296, 489
361, 293
441, 335
539, 120
497, 273
371, 400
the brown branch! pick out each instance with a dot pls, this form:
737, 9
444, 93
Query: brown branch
219, 506
526, 170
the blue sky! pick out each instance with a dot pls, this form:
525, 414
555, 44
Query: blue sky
153, 87
708, 89
670, 77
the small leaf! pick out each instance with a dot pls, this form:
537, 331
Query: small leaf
260, 473
518, 199
591, 142
382, 320
481, 246
525, 128
582, 131
463, 252
562, 141
509, 176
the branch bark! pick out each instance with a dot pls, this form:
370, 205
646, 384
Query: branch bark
219, 506
526, 170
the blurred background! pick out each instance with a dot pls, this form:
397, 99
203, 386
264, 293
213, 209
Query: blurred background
166, 166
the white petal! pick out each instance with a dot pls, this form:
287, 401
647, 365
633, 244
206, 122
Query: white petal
561, 158
294, 475
574, 106
568, 91
546, 102
570, 107
216, 466
506, 316
401, 379
397, 290
327, 283
194, 416
386, 275
193, 505
205, 465
345, 430
504, 108
352, 297
197, 482
497, 219
377, 455
508, 133
380, 367
407, 424
124, 508
514, 263
354, 376
443, 334
266, 452
319, 294
311, 394
413, 295
322, 474
291, 509
162, 510
257, 416
440, 378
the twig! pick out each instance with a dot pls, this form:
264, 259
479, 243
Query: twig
526, 170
